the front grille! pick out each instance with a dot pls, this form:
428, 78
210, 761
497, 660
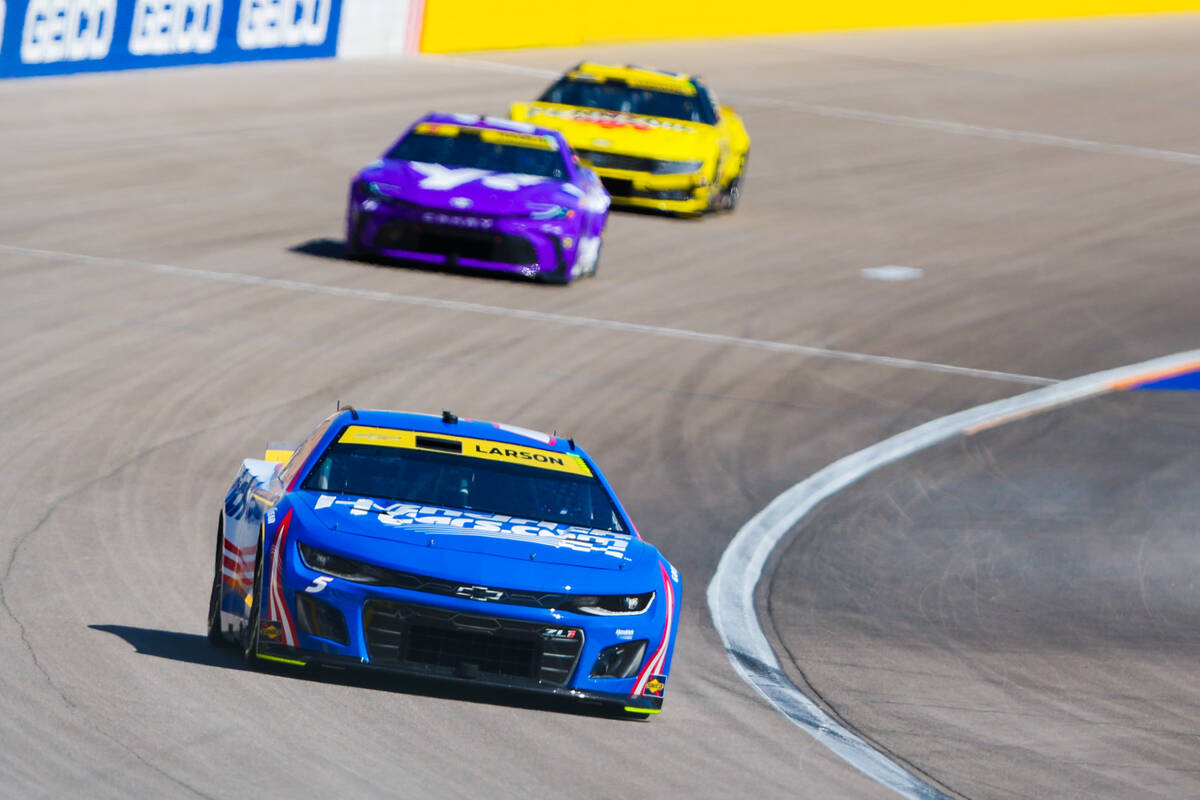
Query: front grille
450, 240
617, 187
445, 643
605, 160
667, 194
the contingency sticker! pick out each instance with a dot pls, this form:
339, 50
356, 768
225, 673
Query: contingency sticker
467, 447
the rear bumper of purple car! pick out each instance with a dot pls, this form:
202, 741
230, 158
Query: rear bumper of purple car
547, 249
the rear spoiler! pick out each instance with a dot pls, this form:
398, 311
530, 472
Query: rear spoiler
278, 453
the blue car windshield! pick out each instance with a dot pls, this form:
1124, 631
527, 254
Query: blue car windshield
468, 150
454, 481
613, 95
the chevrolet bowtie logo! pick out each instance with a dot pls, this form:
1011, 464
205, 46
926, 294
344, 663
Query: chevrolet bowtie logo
479, 593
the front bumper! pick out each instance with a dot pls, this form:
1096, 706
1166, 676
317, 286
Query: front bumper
687, 193
418, 633
519, 245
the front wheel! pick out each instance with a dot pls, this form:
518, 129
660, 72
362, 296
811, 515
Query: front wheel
731, 196
733, 192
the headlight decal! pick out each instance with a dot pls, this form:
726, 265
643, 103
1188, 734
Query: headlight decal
611, 605
277, 609
676, 167
656, 662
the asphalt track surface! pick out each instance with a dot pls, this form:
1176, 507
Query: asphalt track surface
1011, 614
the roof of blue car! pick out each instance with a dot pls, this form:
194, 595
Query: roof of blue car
477, 429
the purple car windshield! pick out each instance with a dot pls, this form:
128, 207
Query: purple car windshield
468, 149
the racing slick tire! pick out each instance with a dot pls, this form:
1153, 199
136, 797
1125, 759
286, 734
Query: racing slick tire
591, 271
250, 633
354, 250
215, 637
733, 192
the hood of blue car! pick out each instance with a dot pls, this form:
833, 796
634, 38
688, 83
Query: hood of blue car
436, 529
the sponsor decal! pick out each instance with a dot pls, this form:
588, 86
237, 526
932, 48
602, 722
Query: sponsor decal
480, 223
624, 633
460, 202
235, 501
67, 30
451, 522
509, 138
612, 119
559, 633
440, 178
270, 630
50, 37
655, 686
470, 448
282, 23
162, 27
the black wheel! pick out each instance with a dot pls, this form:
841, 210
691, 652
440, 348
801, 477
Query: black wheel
730, 197
354, 250
250, 634
215, 636
733, 193
595, 264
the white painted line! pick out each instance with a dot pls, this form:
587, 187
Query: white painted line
527, 314
731, 592
892, 272
983, 131
900, 120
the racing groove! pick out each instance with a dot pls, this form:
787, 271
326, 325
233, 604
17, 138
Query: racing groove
132, 395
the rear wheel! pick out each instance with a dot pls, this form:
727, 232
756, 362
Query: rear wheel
215, 637
250, 634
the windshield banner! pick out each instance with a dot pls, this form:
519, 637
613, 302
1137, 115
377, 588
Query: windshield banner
55, 37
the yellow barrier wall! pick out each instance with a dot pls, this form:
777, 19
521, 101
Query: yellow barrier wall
456, 25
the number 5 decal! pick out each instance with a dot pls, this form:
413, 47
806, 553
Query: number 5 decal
318, 584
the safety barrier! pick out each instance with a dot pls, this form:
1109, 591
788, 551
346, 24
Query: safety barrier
49, 37
457, 25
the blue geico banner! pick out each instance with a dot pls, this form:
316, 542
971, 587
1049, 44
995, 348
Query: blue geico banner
53, 37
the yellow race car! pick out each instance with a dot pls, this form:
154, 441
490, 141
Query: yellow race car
658, 140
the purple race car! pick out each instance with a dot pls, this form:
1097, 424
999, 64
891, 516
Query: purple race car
480, 192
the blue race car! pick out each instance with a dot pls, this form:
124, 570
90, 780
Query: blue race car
447, 548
